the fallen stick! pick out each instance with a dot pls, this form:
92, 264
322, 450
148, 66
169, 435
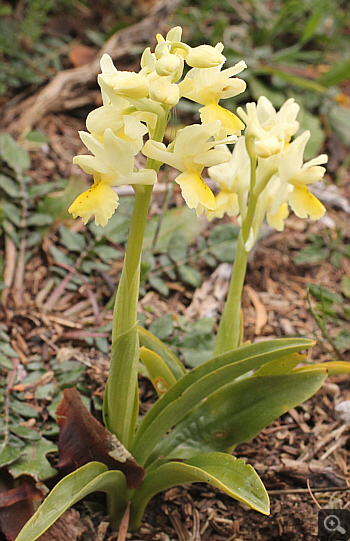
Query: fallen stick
67, 90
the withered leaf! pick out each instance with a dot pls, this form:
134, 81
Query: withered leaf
16, 505
83, 439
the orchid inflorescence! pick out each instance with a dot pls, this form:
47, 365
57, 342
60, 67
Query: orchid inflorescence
132, 103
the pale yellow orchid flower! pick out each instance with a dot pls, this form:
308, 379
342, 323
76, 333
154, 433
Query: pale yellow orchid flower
298, 176
233, 178
192, 150
112, 165
209, 86
271, 129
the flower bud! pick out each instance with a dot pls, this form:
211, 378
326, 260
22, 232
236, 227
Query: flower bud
130, 84
268, 147
161, 90
169, 64
205, 56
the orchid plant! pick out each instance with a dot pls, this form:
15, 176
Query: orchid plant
201, 415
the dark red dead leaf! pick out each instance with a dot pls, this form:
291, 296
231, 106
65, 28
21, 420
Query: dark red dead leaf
16, 506
83, 439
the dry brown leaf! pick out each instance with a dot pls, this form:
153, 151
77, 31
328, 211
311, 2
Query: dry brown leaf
83, 439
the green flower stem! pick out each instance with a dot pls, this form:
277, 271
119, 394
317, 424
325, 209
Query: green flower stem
229, 329
120, 405
228, 336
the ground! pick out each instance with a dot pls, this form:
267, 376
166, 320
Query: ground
303, 458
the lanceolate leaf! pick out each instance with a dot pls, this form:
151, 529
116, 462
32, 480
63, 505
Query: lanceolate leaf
150, 341
90, 478
159, 373
334, 368
280, 366
121, 398
236, 413
202, 381
223, 471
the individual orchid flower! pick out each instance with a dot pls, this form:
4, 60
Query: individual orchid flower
125, 125
112, 165
295, 176
205, 56
162, 74
270, 129
192, 150
171, 44
127, 84
209, 86
233, 178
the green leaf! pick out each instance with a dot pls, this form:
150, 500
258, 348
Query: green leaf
313, 22
339, 119
61, 257
37, 136
280, 366
177, 225
24, 409
108, 253
33, 461
198, 343
313, 124
177, 247
334, 368
159, 285
151, 342
9, 454
4, 361
338, 73
162, 327
56, 204
195, 357
236, 413
87, 479
203, 380
121, 396
190, 275
26, 433
6, 349
342, 341
221, 470
74, 242
39, 220
257, 89
324, 294
223, 242
9, 186
13, 154
312, 253
346, 285
159, 373
296, 80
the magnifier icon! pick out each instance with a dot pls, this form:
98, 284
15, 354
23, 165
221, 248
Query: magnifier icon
332, 524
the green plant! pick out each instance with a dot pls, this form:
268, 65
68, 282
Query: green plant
202, 414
